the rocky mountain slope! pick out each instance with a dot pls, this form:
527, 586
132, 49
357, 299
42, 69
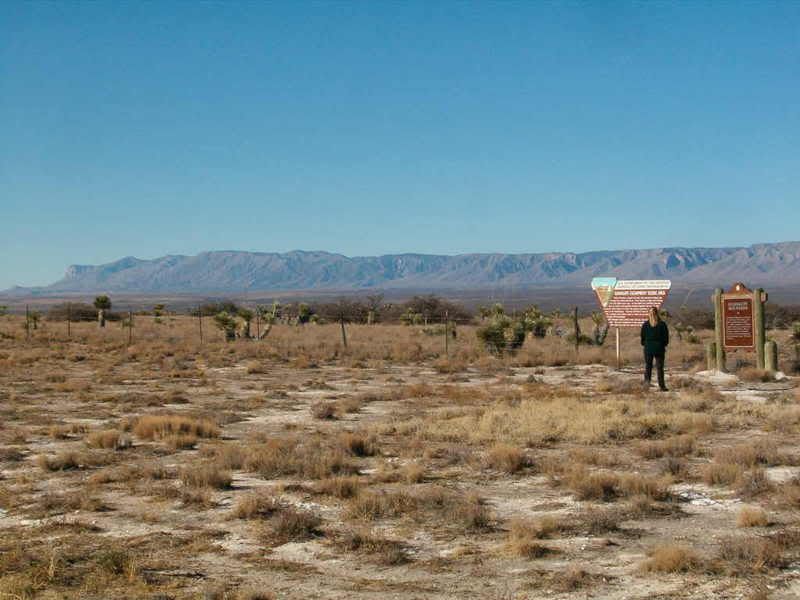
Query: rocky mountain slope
232, 271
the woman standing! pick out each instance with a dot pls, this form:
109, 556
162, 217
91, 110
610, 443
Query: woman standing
655, 339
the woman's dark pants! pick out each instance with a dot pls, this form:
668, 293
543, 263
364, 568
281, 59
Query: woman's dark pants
648, 368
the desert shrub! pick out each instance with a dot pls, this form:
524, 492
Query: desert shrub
295, 525
753, 483
63, 461
607, 485
502, 334
358, 444
256, 505
370, 506
206, 475
752, 516
110, 439
157, 427
324, 410
384, 551
312, 460
754, 374
339, 487
507, 459
681, 445
672, 558
746, 554
722, 473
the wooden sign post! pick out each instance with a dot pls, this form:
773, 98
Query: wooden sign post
739, 323
626, 303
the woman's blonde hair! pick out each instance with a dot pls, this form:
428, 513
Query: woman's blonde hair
653, 317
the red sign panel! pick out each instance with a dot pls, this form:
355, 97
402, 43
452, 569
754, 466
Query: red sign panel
627, 303
738, 329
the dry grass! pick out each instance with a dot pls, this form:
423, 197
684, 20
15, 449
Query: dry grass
292, 525
755, 375
752, 516
256, 505
508, 459
672, 558
206, 475
384, 551
524, 535
682, 445
359, 444
158, 427
324, 410
607, 485
109, 438
441, 446
339, 487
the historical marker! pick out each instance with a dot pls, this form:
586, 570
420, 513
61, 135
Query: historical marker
737, 320
739, 325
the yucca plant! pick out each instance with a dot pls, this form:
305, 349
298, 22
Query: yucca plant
102, 304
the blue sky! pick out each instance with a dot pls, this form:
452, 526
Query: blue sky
376, 127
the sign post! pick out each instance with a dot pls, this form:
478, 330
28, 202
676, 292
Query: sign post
626, 303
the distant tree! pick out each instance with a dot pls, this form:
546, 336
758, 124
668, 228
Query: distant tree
158, 310
411, 317
535, 321
3, 310
226, 323
102, 304
269, 315
304, 313
374, 303
247, 316
34, 317
502, 333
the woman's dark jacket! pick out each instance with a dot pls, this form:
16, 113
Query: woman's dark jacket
655, 339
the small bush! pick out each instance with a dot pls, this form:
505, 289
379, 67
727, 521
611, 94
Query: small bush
150, 427
339, 487
672, 558
256, 505
358, 444
751, 554
110, 438
386, 552
324, 410
507, 459
752, 516
206, 475
291, 525
63, 461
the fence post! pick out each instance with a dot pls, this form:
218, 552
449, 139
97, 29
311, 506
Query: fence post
446, 337
344, 335
27, 323
69, 320
130, 327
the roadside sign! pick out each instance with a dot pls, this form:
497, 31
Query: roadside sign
626, 303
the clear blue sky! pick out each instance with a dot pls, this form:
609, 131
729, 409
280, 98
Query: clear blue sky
150, 128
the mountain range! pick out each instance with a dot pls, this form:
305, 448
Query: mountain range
235, 271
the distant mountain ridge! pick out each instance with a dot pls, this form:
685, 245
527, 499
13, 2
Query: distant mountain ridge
235, 272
